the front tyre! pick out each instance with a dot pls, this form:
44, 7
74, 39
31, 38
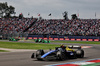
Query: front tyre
39, 53
61, 55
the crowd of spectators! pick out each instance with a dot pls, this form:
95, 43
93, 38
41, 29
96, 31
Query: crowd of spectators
14, 25
79, 27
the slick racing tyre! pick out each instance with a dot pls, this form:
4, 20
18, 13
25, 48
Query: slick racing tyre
80, 53
61, 55
39, 53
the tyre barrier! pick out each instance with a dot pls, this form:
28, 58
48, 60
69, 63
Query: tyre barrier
67, 39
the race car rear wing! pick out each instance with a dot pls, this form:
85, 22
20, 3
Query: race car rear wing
74, 47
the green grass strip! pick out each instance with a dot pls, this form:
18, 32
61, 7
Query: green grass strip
18, 45
78, 42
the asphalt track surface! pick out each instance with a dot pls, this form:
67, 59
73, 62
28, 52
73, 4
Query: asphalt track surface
23, 58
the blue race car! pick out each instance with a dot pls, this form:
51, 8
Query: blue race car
60, 53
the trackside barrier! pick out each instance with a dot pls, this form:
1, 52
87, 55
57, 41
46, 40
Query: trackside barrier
55, 38
29, 37
40, 38
35, 38
65, 39
45, 38
50, 38
96, 39
72, 39
78, 39
61, 38
84, 39
90, 39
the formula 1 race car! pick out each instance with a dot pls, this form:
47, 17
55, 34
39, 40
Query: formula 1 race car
42, 41
60, 53
14, 39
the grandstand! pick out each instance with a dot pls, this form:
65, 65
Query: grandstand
79, 27
54, 28
15, 27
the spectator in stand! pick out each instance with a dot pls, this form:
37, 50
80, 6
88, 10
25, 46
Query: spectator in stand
84, 27
14, 25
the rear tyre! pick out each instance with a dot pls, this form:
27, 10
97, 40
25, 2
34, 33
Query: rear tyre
61, 56
39, 53
82, 55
